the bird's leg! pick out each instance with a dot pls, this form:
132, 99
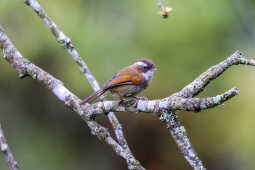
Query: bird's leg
141, 98
122, 101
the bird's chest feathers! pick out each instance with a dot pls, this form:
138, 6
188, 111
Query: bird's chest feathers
148, 76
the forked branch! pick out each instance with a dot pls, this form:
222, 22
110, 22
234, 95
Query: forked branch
25, 67
182, 100
66, 43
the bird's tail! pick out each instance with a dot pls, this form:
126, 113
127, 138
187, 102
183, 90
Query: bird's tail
93, 96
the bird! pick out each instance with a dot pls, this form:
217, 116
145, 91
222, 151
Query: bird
128, 82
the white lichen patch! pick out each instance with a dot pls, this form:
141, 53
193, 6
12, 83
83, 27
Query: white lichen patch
151, 105
182, 129
191, 154
34, 76
203, 106
35, 5
100, 105
107, 105
4, 147
46, 21
95, 84
217, 99
61, 37
92, 80
141, 105
61, 92
163, 104
121, 109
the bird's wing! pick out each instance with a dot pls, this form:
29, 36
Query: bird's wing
118, 80
123, 78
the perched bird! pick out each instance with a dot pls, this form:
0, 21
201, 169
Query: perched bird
127, 82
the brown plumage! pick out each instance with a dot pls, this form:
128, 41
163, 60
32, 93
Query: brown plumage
128, 81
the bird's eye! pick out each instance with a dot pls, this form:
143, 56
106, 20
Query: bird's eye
145, 68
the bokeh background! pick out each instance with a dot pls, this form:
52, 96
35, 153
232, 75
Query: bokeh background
109, 34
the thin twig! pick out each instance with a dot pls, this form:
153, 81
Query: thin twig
163, 10
161, 5
66, 43
25, 67
7, 152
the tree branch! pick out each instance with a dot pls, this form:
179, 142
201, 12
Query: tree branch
171, 103
25, 67
180, 136
170, 118
66, 43
165, 108
7, 152
198, 85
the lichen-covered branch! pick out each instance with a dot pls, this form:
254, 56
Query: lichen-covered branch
118, 131
7, 152
171, 103
183, 100
25, 67
66, 43
212, 73
180, 136
161, 5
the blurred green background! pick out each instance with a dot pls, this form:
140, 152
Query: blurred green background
109, 34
